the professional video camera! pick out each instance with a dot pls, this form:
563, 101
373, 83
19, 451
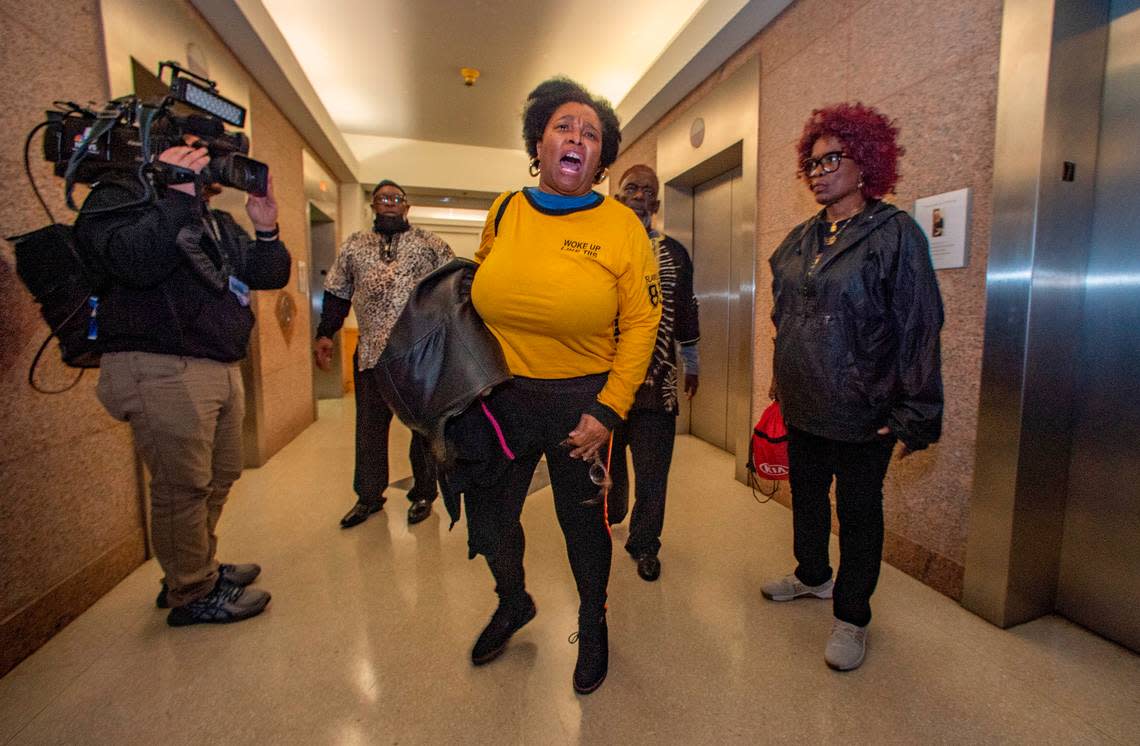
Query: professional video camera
124, 139
128, 135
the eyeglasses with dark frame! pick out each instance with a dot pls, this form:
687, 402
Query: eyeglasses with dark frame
389, 199
826, 163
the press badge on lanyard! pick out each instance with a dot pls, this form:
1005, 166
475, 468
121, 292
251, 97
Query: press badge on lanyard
240, 290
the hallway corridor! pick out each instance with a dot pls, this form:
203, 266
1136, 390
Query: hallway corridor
368, 636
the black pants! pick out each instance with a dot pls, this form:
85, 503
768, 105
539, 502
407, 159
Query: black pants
538, 415
858, 469
649, 435
373, 419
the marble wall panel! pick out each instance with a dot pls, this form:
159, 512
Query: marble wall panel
283, 357
895, 44
816, 76
67, 470
70, 504
800, 26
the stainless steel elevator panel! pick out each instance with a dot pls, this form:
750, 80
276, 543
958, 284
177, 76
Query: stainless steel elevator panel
327, 384
1099, 580
712, 280
1049, 96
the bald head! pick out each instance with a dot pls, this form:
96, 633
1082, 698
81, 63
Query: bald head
638, 190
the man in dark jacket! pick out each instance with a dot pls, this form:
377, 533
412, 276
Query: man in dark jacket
649, 429
173, 322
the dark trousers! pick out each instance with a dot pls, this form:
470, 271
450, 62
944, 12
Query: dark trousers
373, 419
649, 435
858, 470
539, 414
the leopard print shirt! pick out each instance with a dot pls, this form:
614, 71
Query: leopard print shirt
378, 277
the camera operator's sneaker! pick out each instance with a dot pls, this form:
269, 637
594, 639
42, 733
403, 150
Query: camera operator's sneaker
226, 603
846, 647
237, 574
790, 587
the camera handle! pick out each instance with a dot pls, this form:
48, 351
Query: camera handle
169, 174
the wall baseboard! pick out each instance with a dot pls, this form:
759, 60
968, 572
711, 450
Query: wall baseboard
25, 631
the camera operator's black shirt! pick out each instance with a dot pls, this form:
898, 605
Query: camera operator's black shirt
152, 300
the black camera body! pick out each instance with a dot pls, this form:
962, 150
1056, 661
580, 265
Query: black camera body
121, 148
129, 135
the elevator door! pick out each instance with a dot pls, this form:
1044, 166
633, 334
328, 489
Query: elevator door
327, 384
713, 203
1099, 582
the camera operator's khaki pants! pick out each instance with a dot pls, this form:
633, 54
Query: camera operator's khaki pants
186, 415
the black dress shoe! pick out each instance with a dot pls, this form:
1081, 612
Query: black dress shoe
593, 656
418, 511
649, 567
507, 619
360, 512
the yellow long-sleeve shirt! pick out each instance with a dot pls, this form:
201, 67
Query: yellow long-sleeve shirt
551, 284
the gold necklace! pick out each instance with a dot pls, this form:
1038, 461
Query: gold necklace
837, 230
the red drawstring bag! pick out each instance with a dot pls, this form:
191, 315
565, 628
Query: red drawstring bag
769, 456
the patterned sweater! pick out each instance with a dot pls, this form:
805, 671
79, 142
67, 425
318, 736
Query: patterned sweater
378, 276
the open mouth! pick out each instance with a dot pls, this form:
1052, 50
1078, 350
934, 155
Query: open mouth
571, 163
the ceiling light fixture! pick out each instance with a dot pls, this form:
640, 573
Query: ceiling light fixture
470, 75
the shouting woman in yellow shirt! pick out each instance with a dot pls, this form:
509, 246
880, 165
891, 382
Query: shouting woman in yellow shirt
558, 264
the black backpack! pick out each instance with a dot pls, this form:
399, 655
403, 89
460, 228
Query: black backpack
64, 286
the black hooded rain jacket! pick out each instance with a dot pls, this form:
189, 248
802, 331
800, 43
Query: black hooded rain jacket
857, 335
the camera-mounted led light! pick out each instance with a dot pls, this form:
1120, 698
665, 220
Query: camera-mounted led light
206, 99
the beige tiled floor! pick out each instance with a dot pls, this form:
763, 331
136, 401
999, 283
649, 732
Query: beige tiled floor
368, 635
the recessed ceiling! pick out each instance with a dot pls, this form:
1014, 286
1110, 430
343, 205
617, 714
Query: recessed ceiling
388, 68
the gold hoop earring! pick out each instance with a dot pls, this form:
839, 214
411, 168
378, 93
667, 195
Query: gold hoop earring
534, 166
600, 176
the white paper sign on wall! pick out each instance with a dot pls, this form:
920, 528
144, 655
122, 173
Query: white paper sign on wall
945, 218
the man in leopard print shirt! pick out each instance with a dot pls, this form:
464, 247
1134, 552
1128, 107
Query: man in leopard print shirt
375, 272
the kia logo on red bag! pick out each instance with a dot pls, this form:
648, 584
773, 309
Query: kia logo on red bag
774, 471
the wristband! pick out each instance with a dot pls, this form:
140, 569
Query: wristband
270, 235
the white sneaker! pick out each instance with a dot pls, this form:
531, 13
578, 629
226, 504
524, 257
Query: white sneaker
846, 647
790, 587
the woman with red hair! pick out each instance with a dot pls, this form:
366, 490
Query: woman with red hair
857, 364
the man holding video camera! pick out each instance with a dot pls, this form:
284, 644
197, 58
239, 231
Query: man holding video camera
173, 321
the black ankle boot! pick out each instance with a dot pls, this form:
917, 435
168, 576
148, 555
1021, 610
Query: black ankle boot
593, 656
507, 619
